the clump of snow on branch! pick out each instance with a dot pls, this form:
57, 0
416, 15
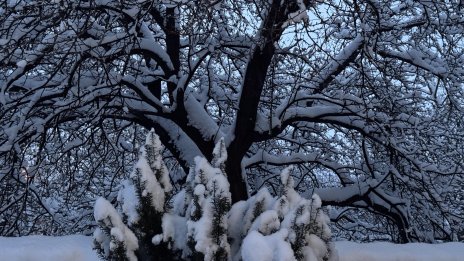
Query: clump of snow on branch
297, 16
220, 155
128, 197
276, 247
113, 236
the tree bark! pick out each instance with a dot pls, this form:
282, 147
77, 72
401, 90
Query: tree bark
253, 84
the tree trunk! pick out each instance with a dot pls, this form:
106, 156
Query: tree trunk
238, 188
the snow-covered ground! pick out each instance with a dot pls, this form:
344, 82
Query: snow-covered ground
382, 251
38, 248
79, 248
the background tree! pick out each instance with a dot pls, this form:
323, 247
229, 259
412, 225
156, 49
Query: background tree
364, 97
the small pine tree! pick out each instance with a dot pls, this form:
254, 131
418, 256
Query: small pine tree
206, 215
291, 223
152, 187
142, 198
199, 222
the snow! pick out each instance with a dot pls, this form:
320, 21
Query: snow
182, 143
266, 223
151, 184
255, 241
148, 43
383, 251
199, 118
234, 223
220, 154
297, 16
21, 64
316, 249
32, 248
271, 248
174, 229
105, 212
79, 248
130, 202
257, 205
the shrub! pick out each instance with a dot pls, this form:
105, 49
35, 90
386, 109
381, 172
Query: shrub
200, 223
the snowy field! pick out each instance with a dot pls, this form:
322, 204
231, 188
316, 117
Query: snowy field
349, 251
79, 248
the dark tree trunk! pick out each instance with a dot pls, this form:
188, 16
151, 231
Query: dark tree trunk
238, 188
253, 85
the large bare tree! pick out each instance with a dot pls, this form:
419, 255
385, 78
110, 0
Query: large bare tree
364, 97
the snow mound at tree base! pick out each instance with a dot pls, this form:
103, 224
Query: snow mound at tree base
79, 248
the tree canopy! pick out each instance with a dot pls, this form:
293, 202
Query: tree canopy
365, 98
